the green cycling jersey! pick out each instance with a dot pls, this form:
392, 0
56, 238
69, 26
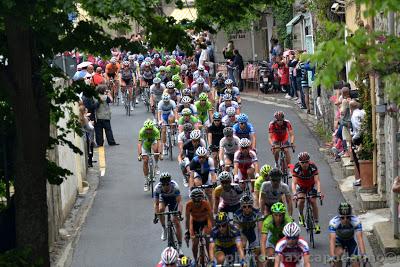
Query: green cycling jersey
274, 232
258, 183
192, 120
202, 110
173, 69
148, 138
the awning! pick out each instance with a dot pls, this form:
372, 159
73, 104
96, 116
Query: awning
294, 21
184, 13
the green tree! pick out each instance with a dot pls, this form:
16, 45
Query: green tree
32, 32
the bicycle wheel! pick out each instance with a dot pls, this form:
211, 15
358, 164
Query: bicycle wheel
151, 179
169, 145
171, 237
310, 225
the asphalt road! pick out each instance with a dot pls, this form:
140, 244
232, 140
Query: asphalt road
119, 231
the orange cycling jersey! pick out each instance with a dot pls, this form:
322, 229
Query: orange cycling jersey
199, 213
112, 68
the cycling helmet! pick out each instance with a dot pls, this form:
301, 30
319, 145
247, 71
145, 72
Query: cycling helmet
197, 194
147, 59
186, 91
230, 111
148, 124
200, 68
113, 60
243, 118
195, 135
176, 78
216, 116
165, 177
246, 199
186, 100
203, 96
228, 91
244, 142
291, 230
201, 151
303, 156
156, 80
228, 82
264, 171
166, 97
228, 131
220, 75
172, 61
278, 207
275, 174
169, 256
184, 67
161, 68
192, 64
279, 115
186, 112
200, 80
187, 127
147, 64
140, 57
227, 97
170, 85
131, 57
126, 63
156, 55
221, 218
344, 209
185, 262
224, 176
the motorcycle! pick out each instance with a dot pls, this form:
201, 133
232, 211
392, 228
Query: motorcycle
265, 78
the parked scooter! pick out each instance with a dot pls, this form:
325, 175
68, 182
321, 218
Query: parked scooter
265, 78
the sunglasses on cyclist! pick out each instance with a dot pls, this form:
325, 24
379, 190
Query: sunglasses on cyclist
304, 162
344, 217
225, 182
202, 157
217, 120
164, 184
247, 206
293, 237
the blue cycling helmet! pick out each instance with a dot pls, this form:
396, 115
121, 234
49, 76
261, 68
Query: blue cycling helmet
216, 116
140, 57
243, 118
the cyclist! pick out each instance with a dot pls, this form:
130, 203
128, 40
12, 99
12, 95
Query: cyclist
173, 67
203, 73
146, 74
272, 228
225, 241
218, 86
228, 103
187, 117
230, 118
228, 145
112, 69
280, 130
174, 93
202, 171
245, 162
182, 74
157, 60
204, 109
186, 262
178, 83
227, 195
233, 90
306, 182
189, 74
345, 232
166, 115
156, 92
186, 102
200, 87
198, 217
292, 250
127, 81
274, 191
169, 258
264, 177
215, 134
167, 194
187, 92
244, 129
149, 140
249, 220
162, 74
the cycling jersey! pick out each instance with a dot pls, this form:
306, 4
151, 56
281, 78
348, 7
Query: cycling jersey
243, 133
227, 122
189, 149
258, 183
274, 232
230, 145
196, 91
126, 75
292, 255
226, 240
148, 75
222, 107
191, 107
157, 91
345, 232
248, 225
112, 68
147, 139
305, 178
245, 161
205, 75
173, 69
169, 197
202, 110
230, 197
280, 133
199, 213
219, 86
272, 194
202, 170
193, 120
217, 133
174, 94
166, 108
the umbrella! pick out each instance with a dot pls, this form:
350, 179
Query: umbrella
84, 64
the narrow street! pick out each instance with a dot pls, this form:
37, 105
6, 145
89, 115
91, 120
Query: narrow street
119, 230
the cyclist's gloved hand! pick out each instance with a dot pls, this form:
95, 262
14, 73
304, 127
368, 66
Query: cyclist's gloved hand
155, 220
364, 257
187, 234
214, 184
221, 163
139, 157
242, 262
261, 258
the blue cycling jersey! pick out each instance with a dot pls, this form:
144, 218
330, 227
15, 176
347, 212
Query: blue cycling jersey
345, 232
243, 133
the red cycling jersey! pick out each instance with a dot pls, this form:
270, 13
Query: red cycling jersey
280, 133
292, 255
305, 178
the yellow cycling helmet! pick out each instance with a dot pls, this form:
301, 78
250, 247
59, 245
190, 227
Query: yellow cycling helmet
185, 262
265, 170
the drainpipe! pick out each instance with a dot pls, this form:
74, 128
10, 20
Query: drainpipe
253, 49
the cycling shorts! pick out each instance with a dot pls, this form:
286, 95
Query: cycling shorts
252, 238
148, 81
204, 181
227, 251
229, 156
310, 191
230, 208
350, 245
278, 143
147, 149
128, 82
171, 204
111, 75
199, 225
166, 116
242, 173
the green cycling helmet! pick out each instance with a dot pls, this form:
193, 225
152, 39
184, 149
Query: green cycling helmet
265, 170
203, 96
176, 78
278, 207
148, 124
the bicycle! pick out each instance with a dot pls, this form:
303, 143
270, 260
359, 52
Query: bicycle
348, 260
128, 99
282, 164
171, 231
170, 136
113, 87
248, 189
202, 259
309, 218
152, 174
146, 97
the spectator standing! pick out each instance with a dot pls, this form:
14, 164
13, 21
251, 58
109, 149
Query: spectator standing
283, 72
87, 126
238, 63
345, 119
203, 55
98, 77
357, 117
292, 62
228, 51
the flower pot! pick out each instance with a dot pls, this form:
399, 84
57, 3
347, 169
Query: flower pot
366, 174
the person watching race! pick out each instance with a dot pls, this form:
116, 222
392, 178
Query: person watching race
200, 87
228, 103
198, 217
233, 90
264, 177
204, 109
230, 118
167, 194
228, 145
273, 191
172, 92
249, 221
244, 129
169, 258
149, 140
186, 102
245, 162
345, 233
215, 134
187, 117
280, 130
225, 242
156, 92
306, 182
227, 195
166, 115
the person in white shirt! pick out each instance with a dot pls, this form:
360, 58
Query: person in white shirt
357, 116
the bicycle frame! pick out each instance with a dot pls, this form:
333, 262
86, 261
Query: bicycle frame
282, 161
152, 175
171, 232
202, 258
309, 218
169, 134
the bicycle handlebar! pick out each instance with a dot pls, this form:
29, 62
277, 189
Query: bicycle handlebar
205, 186
169, 213
283, 147
311, 196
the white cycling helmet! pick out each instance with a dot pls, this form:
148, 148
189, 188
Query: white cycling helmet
186, 100
166, 97
169, 256
227, 97
156, 80
195, 134
230, 111
161, 68
184, 67
200, 80
201, 152
200, 68
244, 142
224, 176
170, 85
113, 60
147, 64
291, 230
147, 59
131, 57
228, 82
186, 112
156, 55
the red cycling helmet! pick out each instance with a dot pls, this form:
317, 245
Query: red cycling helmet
303, 156
279, 115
